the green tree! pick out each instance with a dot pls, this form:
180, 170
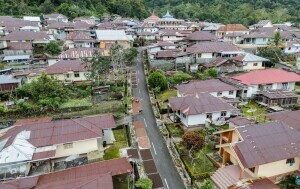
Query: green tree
158, 79
269, 53
206, 184
46, 91
277, 39
52, 48
98, 66
144, 183
179, 77
47, 7
192, 140
130, 55
212, 72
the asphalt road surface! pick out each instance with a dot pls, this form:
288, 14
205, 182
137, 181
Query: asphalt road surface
159, 150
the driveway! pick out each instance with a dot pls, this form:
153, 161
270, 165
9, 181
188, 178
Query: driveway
159, 150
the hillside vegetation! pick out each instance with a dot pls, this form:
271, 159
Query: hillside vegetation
226, 11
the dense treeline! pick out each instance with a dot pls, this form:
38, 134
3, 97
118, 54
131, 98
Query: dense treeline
226, 11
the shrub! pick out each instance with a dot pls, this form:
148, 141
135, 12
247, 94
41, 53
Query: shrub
192, 140
158, 79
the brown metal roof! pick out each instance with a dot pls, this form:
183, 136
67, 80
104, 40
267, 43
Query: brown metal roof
202, 86
21, 122
20, 46
240, 121
200, 36
62, 131
44, 155
146, 154
133, 153
233, 27
266, 143
256, 184
92, 176
25, 35
80, 36
275, 94
212, 47
199, 104
65, 66
291, 118
156, 180
150, 167
79, 53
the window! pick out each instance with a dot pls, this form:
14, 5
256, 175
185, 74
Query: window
290, 161
285, 85
223, 114
255, 64
184, 116
208, 115
76, 74
67, 75
219, 94
289, 48
231, 92
68, 145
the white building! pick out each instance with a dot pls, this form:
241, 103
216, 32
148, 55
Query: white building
198, 109
251, 61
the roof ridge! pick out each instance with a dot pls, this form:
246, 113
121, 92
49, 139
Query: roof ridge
75, 120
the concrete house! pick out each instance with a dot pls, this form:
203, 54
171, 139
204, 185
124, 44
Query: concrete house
30, 143
232, 32
80, 39
262, 24
67, 71
224, 65
109, 37
215, 87
56, 17
263, 80
292, 47
207, 51
267, 150
169, 22
170, 35
198, 109
251, 61
9, 83
198, 37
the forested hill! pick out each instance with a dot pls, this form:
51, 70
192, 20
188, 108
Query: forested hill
226, 11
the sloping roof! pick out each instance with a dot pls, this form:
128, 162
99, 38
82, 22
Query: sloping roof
47, 16
167, 54
8, 79
213, 47
25, 35
32, 18
291, 118
170, 32
240, 121
113, 35
277, 94
199, 104
21, 122
200, 36
266, 143
79, 53
203, 86
92, 176
262, 183
65, 66
267, 77
57, 132
152, 18
16, 57
263, 22
19, 46
233, 27
248, 57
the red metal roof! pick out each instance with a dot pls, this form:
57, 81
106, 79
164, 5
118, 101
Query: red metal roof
267, 76
43, 155
62, 131
21, 122
92, 176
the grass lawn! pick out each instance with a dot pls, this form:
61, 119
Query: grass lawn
259, 113
163, 97
176, 131
113, 151
202, 165
77, 102
103, 108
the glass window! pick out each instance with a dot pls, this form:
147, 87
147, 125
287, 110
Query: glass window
223, 114
219, 94
255, 64
68, 145
208, 115
231, 92
76, 74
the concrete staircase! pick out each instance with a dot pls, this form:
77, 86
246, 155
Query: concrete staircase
227, 176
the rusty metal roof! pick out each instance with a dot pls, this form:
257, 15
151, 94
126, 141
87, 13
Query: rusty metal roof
277, 94
92, 176
291, 118
150, 167
266, 143
199, 104
21, 122
211, 85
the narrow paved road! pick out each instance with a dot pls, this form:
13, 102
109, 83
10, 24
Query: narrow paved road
160, 153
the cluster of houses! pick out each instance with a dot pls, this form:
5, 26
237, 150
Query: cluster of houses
252, 154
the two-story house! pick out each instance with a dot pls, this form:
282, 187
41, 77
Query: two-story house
232, 32
267, 150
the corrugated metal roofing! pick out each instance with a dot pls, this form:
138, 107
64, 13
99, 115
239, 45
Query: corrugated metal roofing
266, 143
8, 79
291, 118
199, 104
111, 35
16, 57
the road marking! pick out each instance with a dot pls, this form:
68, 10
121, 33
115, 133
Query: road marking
154, 148
166, 183
145, 123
